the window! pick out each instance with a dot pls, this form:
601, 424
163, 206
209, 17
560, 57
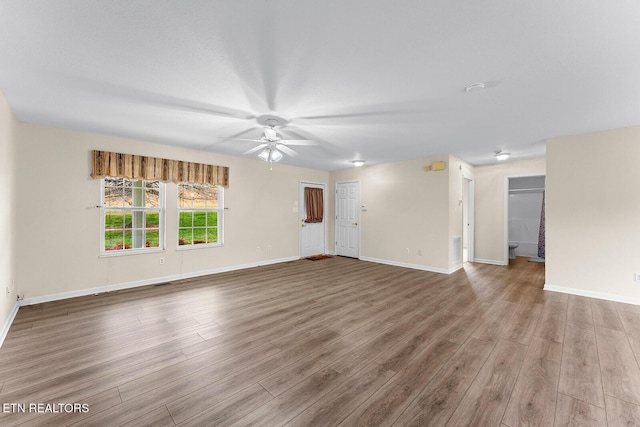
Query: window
133, 215
200, 210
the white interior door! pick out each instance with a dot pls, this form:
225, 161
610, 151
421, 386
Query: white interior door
347, 219
312, 235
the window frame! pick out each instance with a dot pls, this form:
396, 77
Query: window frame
161, 220
220, 218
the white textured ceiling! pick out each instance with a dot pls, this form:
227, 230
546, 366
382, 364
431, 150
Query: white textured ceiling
377, 80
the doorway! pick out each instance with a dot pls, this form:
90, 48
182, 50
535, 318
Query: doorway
523, 205
312, 224
348, 219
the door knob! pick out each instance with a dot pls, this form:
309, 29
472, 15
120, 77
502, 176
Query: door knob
355, 223
302, 226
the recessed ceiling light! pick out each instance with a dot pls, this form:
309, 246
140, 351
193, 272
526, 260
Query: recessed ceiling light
502, 156
474, 87
358, 163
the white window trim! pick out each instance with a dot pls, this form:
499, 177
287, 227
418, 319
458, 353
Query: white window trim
161, 226
220, 211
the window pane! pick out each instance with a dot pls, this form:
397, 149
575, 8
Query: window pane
127, 239
128, 197
199, 197
152, 198
184, 196
199, 219
153, 239
212, 198
212, 219
113, 196
185, 236
212, 235
114, 220
113, 182
199, 235
128, 220
152, 219
186, 219
112, 239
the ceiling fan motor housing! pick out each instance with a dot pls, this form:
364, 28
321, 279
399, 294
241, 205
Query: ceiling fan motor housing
270, 134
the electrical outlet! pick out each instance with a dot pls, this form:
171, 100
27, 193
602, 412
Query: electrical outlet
637, 277
419, 252
406, 250
161, 260
258, 249
269, 248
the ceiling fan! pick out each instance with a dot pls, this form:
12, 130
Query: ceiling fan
272, 146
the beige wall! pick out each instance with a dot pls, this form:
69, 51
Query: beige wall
490, 205
7, 203
406, 208
593, 214
59, 243
52, 240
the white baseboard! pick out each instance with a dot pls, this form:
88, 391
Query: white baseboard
407, 265
592, 294
456, 268
146, 282
490, 261
7, 325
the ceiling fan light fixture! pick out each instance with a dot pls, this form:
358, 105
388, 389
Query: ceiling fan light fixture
275, 155
264, 154
358, 163
270, 154
502, 156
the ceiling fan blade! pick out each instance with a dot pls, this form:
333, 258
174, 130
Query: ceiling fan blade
254, 149
298, 142
240, 139
322, 143
286, 150
267, 65
237, 134
162, 100
293, 136
361, 114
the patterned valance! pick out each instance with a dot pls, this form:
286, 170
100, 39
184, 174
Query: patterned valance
131, 166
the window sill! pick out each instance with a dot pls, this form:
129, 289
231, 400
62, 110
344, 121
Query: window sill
109, 254
199, 246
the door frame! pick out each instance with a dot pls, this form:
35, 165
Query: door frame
506, 209
358, 210
301, 209
470, 183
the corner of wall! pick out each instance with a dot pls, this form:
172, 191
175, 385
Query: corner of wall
490, 221
8, 306
7, 324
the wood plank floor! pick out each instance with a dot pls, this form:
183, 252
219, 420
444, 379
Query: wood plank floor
330, 342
